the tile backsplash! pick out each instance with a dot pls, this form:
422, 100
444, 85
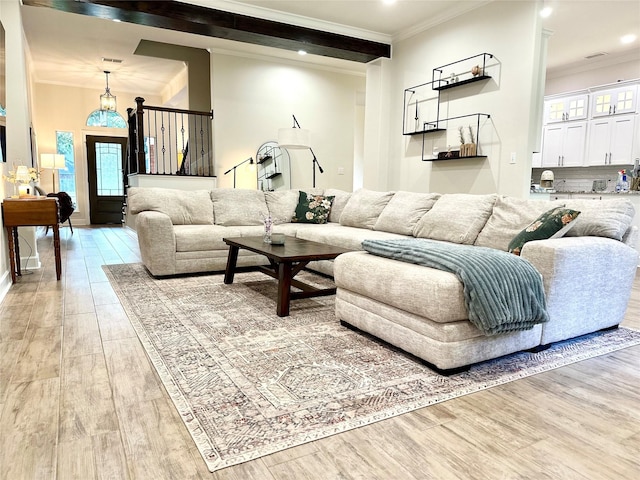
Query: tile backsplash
580, 179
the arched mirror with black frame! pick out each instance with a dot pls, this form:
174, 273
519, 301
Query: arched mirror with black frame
273, 167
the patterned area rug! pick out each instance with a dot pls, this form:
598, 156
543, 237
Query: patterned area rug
248, 383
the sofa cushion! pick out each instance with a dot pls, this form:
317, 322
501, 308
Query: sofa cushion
509, 216
456, 217
364, 207
404, 210
553, 223
340, 236
312, 208
601, 218
340, 199
238, 207
183, 207
196, 238
281, 204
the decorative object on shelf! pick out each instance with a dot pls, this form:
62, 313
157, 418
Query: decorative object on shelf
233, 169
298, 138
54, 161
449, 154
107, 101
468, 146
476, 70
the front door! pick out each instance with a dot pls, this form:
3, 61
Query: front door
105, 166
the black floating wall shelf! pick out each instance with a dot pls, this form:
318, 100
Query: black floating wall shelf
416, 100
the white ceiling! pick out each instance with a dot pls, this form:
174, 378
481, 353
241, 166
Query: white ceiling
67, 48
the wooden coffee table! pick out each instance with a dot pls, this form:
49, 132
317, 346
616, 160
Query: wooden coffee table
286, 261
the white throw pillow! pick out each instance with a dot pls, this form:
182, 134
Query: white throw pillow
404, 210
601, 218
510, 215
364, 207
456, 218
340, 199
233, 206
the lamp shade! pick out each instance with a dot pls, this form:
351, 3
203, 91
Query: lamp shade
293, 138
52, 160
22, 174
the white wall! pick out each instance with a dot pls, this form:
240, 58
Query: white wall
18, 112
512, 32
593, 74
61, 108
253, 98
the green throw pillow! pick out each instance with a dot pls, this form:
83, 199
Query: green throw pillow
551, 224
312, 208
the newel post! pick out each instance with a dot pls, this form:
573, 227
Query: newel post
140, 135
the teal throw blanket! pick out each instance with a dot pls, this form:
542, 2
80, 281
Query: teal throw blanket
503, 292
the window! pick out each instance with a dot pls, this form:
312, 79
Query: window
67, 177
105, 118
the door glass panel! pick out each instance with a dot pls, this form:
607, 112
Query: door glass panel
602, 103
556, 110
576, 108
109, 169
625, 100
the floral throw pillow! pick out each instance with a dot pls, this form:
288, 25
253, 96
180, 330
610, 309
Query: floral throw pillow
551, 224
312, 208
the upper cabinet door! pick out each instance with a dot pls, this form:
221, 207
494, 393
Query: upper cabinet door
614, 101
562, 109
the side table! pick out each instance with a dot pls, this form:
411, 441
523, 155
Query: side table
30, 212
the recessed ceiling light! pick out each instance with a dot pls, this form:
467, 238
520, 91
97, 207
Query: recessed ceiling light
628, 38
302, 52
546, 12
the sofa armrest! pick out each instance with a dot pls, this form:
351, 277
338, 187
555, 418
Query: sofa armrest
587, 281
157, 242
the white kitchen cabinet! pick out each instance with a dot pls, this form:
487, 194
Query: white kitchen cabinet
611, 140
563, 144
566, 108
614, 101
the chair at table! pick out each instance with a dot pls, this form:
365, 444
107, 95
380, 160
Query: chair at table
65, 205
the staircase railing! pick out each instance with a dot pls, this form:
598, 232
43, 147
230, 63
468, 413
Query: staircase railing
169, 141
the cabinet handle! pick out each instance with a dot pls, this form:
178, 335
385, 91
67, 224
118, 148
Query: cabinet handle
614, 108
563, 160
558, 160
609, 109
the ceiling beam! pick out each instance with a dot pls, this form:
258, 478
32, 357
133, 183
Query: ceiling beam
200, 20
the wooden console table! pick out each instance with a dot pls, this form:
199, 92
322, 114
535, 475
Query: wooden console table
30, 212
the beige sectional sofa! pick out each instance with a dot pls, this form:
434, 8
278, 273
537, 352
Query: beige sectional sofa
587, 274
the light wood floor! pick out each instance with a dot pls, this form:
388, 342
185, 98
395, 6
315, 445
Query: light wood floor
80, 400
